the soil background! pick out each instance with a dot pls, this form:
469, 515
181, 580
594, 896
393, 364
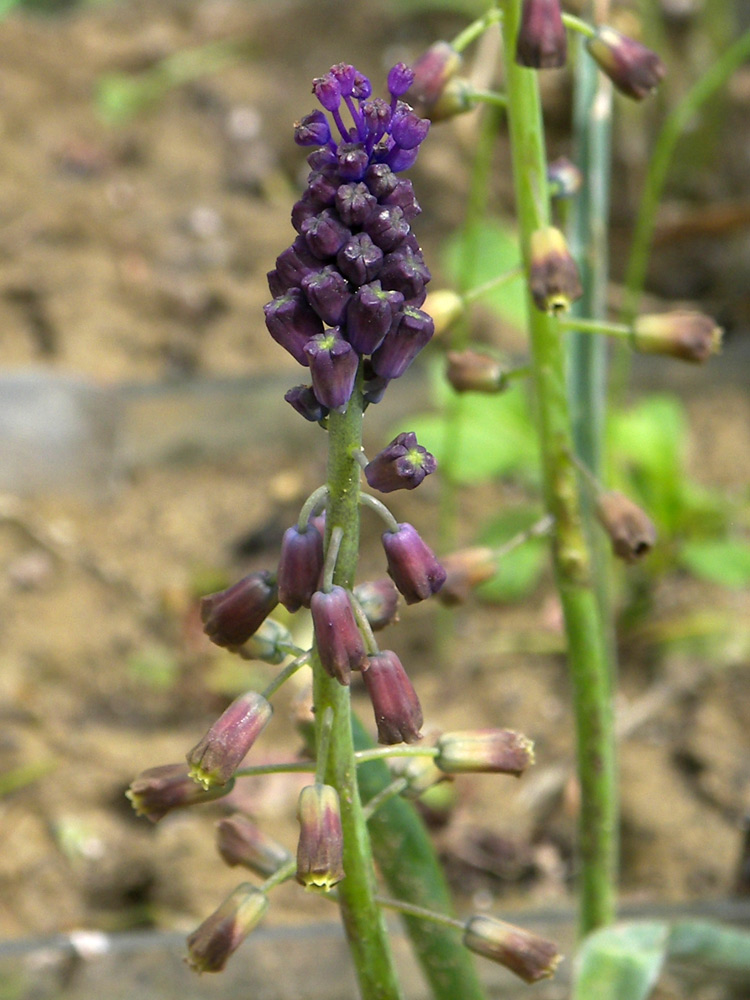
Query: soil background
135, 256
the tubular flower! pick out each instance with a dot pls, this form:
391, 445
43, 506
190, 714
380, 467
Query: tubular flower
321, 839
159, 790
221, 934
632, 68
231, 616
683, 334
498, 751
528, 955
217, 756
354, 277
398, 714
241, 842
401, 466
339, 642
542, 42
554, 281
412, 565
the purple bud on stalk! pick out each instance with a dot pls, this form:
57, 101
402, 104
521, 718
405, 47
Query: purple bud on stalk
333, 366
231, 616
159, 790
362, 86
327, 91
211, 944
377, 115
411, 332
300, 566
528, 955
295, 262
403, 196
353, 160
321, 840
379, 601
292, 323
241, 842
215, 758
370, 316
495, 751
398, 714
689, 336
359, 259
406, 271
381, 180
554, 280
402, 465
339, 642
345, 75
412, 565
305, 402
328, 293
399, 159
322, 185
407, 128
388, 228
312, 130
632, 68
542, 42
374, 386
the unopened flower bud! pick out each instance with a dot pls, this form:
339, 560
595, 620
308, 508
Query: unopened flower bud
333, 366
499, 751
219, 936
411, 332
554, 281
412, 565
466, 569
400, 78
339, 642
231, 616
398, 714
321, 840
292, 322
432, 72
445, 307
270, 643
379, 601
687, 335
303, 399
632, 68
241, 842
564, 178
631, 531
471, 371
217, 756
402, 465
542, 42
528, 955
300, 566
159, 790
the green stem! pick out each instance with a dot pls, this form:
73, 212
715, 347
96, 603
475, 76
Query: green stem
283, 768
586, 646
372, 805
659, 162
361, 915
400, 750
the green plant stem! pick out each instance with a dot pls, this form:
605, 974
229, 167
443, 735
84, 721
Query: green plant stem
586, 647
659, 162
383, 753
361, 915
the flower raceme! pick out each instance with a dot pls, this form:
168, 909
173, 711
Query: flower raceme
351, 284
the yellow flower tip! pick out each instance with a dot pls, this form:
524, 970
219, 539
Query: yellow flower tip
554, 281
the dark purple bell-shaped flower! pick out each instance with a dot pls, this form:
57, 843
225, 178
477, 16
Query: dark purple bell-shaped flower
401, 466
403, 196
377, 115
542, 42
353, 161
333, 366
381, 180
400, 78
305, 402
398, 714
215, 758
354, 203
312, 130
292, 323
327, 91
325, 234
412, 331
412, 565
388, 228
407, 128
370, 316
300, 566
328, 293
405, 270
359, 259
338, 639
231, 616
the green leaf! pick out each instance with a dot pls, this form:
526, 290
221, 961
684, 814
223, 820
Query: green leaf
621, 962
480, 437
493, 247
711, 946
725, 561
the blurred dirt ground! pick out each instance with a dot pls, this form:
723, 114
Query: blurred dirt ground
139, 253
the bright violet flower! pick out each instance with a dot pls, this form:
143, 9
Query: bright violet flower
300, 566
339, 642
241, 842
353, 221
398, 714
542, 42
231, 616
401, 466
412, 565
321, 840
221, 934
215, 758
159, 790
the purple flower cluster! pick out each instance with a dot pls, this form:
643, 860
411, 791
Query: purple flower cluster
351, 284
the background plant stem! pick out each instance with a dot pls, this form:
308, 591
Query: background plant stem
586, 646
361, 915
